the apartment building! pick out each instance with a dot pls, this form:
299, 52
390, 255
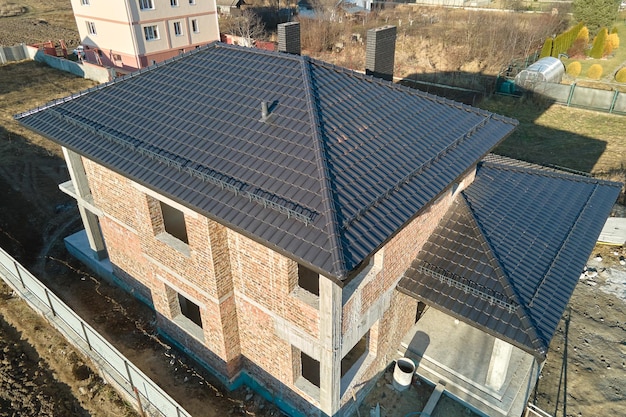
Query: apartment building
132, 34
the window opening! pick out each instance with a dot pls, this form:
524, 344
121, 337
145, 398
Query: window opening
146, 4
177, 29
308, 280
355, 354
190, 310
194, 25
174, 222
310, 369
91, 28
151, 33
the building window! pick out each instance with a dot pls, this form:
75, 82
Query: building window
185, 313
174, 222
356, 353
84, 2
146, 4
308, 280
151, 33
91, 28
192, 1
174, 3
190, 310
194, 25
178, 30
310, 369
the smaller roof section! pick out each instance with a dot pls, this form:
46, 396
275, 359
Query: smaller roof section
508, 254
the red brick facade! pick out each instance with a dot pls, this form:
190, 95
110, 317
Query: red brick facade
254, 316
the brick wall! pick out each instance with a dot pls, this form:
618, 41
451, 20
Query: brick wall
368, 300
242, 288
253, 313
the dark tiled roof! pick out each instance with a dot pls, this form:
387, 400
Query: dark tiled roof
509, 252
342, 162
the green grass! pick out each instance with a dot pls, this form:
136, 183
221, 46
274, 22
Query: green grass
551, 134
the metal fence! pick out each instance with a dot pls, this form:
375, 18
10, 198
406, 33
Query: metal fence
583, 97
13, 53
118, 371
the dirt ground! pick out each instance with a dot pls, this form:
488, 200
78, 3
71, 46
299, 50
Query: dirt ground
41, 375
36, 21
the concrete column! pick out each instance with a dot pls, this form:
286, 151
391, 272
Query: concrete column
330, 346
499, 364
77, 172
94, 234
81, 186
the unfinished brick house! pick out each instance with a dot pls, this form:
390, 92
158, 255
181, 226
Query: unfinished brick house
296, 226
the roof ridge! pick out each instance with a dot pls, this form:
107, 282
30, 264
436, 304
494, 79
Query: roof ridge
328, 200
525, 318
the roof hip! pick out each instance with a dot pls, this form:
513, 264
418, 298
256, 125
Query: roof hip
328, 195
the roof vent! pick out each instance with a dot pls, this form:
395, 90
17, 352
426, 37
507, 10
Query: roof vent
289, 38
380, 52
264, 111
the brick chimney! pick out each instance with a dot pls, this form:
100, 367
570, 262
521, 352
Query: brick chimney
289, 38
380, 52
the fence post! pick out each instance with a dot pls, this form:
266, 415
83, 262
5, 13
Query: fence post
19, 274
130, 378
143, 414
571, 94
615, 95
85, 333
54, 313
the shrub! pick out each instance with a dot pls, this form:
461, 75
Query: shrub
597, 50
613, 40
547, 48
595, 72
574, 69
614, 29
583, 34
620, 76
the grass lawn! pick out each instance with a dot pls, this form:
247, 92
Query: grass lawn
552, 134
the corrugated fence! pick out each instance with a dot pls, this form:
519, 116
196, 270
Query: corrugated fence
13, 53
116, 369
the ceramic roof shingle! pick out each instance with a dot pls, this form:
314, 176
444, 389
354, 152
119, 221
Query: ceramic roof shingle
514, 242
342, 162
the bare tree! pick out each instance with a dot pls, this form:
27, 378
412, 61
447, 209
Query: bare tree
248, 26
